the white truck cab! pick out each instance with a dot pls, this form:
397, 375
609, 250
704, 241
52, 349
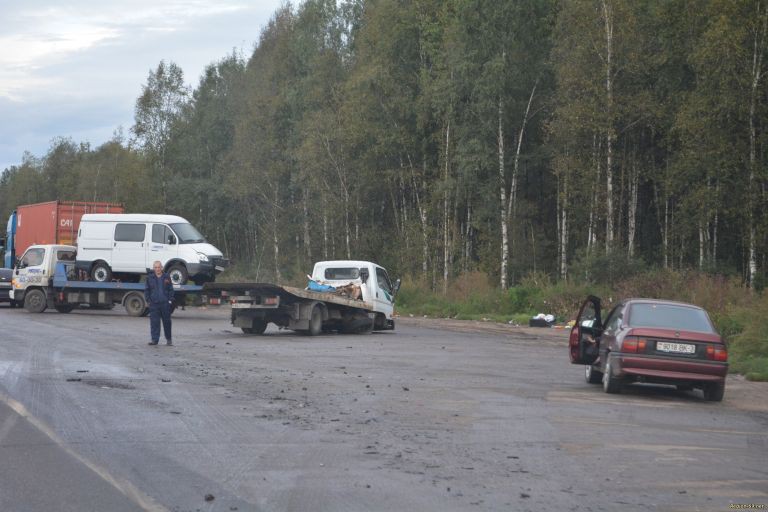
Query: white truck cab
376, 287
33, 273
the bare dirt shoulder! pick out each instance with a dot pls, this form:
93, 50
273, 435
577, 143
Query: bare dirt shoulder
740, 393
478, 326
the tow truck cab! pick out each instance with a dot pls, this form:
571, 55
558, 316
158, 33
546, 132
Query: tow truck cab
33, 273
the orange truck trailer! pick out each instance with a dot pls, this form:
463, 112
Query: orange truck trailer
54, 222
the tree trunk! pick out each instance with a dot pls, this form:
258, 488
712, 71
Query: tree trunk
757, 62
307, 239
608, 19
512, 200
503, 200
702, 244
446, 238
564, 230
275, 228
632, 210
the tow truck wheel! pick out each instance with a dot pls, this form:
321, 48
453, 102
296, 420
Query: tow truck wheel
315, 321
101, 272
259, 326
134, 304
35, 301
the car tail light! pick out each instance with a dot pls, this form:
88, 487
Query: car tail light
270, 301
634, 345
717, 353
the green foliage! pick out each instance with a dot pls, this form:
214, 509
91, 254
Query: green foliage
386, 130
602, 268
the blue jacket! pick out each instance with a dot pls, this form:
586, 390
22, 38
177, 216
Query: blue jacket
158, 290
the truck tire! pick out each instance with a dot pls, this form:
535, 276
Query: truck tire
35, 301
259, 326
359, 324
64, 308
178, 273
134, 304
101, 273
315, 321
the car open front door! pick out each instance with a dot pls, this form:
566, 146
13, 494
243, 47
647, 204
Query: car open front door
583, 344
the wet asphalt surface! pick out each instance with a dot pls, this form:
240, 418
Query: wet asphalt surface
436, 416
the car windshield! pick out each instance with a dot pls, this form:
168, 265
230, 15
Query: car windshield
669, 316
187, 233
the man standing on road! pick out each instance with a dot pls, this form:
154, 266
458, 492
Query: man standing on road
158, 292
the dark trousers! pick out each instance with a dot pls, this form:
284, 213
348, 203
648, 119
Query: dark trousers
160, 311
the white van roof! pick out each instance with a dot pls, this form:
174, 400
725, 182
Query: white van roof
133, 217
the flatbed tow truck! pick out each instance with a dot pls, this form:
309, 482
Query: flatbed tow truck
46, 277
344, 296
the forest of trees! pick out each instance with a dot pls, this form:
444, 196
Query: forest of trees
439, 137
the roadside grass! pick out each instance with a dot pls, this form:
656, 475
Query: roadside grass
739, 314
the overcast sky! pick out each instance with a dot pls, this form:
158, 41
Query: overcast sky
75, 68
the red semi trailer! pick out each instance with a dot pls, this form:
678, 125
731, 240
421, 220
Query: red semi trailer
54, 222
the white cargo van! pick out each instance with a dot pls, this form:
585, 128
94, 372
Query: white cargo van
126, 245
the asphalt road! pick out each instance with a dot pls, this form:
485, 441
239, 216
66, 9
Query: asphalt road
436, 416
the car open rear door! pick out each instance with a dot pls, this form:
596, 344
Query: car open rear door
584, 340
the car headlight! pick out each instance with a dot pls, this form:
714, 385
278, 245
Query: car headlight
203, 257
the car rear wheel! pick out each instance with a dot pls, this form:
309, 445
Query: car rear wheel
610, 383
592, 375
714, 391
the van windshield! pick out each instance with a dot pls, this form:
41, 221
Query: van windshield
187, 233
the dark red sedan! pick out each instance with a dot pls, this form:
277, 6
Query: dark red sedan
649, 340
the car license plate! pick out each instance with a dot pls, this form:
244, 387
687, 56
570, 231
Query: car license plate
677, 348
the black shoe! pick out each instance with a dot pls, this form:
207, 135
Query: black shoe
169, 343
152, 343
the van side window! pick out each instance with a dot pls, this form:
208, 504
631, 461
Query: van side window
161, 234
130, 232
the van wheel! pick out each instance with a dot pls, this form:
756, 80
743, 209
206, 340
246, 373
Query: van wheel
100, 272
178, 274
35, 301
